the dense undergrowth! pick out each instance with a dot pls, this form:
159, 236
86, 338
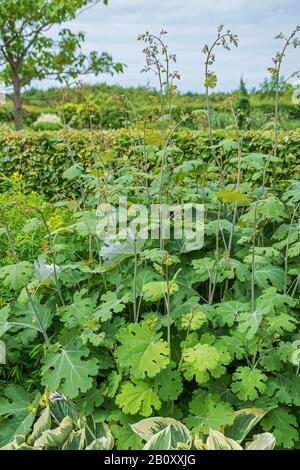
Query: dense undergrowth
191, 335
101, 333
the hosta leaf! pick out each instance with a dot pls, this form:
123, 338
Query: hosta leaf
162, 433
138, 398
61, 407
98, 432
16, 276
17, 443
67, 371
54, 438
265, 441
41, 425
217, 441
283, 425
248, 383
75, 441
142, 351
244, 421
208, 411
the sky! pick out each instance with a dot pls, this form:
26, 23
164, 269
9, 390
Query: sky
190, 24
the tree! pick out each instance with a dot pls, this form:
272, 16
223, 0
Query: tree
27, 52
243, 103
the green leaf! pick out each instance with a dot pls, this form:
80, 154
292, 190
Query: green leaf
294, 250
122, 432
88, 403
248, 383
250, 322
284, 427
208, 411
285, 388
16, 276
73, 172
18, 411
203, 268
142, 351
193, 320
66, 371
199, 360
227, 313
154, 291
271, 208
274, 275
118, 252
110, 304
168, 383
229, 196
113, 380
138, 397
80, 311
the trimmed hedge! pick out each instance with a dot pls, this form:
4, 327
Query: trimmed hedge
30, 113
41, 157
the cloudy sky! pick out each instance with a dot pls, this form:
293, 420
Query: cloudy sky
191, 23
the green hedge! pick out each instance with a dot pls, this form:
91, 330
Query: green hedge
30, 113
41, 157
109, 115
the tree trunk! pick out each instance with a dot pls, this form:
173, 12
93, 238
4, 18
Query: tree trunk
17, 102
